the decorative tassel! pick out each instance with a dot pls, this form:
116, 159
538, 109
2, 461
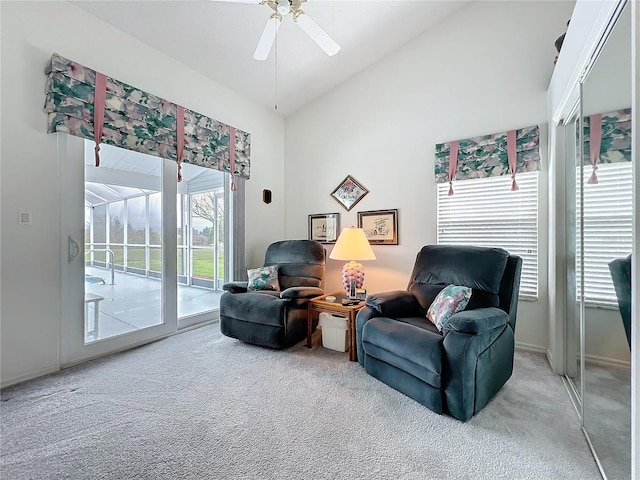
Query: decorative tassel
453, 164
595, 144
99, 102
179, 138
232, 157
512, 157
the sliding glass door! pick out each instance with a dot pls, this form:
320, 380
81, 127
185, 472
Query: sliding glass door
202, 215
122, 284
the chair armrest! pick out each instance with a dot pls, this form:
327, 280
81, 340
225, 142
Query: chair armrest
301, 292
476, 322
478, 350
236, 287
394, 304
364, 315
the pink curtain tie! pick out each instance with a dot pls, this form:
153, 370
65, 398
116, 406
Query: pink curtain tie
512, 155
99, 100
232, 157
453, 164
179, 138
595, 142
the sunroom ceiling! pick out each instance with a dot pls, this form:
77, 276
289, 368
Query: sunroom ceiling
97, 193
125, 174
115, 158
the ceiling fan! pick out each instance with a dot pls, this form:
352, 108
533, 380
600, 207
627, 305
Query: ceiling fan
282, 8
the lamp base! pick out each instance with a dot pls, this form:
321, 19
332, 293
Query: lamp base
352, 271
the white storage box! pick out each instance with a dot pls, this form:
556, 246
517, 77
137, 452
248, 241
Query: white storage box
334, 331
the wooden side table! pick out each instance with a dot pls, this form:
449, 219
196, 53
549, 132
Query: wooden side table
320, 304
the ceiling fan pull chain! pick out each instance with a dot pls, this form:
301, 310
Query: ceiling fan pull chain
275, 107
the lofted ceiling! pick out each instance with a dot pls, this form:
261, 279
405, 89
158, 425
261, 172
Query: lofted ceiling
217, 38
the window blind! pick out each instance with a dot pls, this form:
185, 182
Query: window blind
608, 218
485, 212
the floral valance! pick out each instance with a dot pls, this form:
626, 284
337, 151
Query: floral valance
506, 153
607, 139
136, 120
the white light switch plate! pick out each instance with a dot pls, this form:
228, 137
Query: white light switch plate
24, 218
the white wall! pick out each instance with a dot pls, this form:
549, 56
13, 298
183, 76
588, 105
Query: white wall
31, 32
484, 70
605, 339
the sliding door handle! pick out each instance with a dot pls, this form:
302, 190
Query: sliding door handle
74, 248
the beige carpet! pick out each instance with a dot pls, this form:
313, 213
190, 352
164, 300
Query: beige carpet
201, 406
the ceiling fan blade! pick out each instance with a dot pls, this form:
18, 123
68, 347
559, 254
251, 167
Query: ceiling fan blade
267, 38
318, 35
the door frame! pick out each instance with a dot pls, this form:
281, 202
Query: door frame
72, 348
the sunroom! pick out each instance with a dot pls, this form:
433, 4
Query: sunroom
123, 241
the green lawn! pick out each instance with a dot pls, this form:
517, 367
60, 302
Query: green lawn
203, 264
202, 260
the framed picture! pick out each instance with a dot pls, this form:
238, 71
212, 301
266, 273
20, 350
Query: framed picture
349, 192
324, 227
380, 226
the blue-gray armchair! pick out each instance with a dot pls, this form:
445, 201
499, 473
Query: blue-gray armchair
276, 318
620, 269
457, 370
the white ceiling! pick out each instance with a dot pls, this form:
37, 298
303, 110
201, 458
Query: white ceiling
217, 38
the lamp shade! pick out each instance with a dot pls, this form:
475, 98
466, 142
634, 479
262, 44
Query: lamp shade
352, 244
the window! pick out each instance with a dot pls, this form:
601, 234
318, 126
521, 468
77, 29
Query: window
608, 217
485, 212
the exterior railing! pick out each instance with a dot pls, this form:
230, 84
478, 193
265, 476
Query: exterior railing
113, 265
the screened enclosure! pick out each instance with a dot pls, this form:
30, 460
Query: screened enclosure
124, 224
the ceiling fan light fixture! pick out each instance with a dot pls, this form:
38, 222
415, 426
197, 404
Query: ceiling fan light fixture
283, 7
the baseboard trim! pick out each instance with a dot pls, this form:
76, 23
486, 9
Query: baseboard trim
527, 347
530, 348
30, 376
603, 361
550, 359
607, 362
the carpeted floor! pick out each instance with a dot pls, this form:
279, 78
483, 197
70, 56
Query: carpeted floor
202, 406
607, 412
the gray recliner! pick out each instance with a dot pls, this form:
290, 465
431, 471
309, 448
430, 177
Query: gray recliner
620, 269
276, 319
459, 370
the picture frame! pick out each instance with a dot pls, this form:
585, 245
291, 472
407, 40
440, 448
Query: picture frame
349, 192
380, 226
324, 227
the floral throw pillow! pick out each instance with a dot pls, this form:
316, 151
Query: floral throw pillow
263, 278
451, 299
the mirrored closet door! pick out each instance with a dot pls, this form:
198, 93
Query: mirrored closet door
599, 216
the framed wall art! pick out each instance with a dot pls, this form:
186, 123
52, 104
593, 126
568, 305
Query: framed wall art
324, 227
380, 226
349, 192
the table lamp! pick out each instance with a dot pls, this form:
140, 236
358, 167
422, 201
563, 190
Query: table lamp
352, 244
